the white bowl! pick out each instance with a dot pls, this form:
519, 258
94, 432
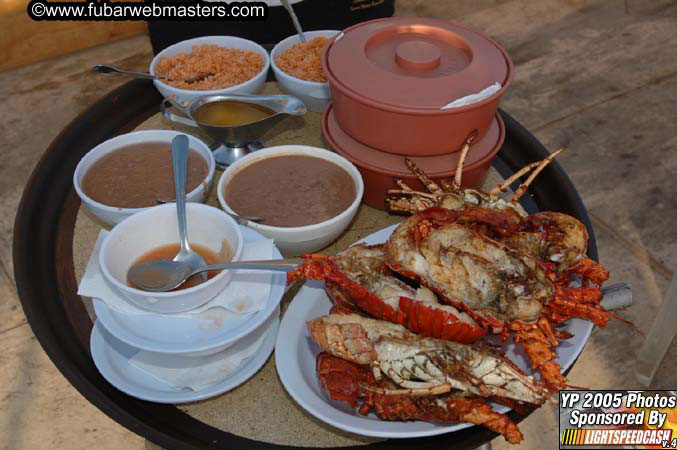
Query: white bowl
193, 335
113, 214
182, 98
155, 227
309, 238
314, 94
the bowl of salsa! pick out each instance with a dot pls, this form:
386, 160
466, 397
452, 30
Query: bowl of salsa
152, 235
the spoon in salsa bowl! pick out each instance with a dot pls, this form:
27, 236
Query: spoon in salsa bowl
186, 254
163, 276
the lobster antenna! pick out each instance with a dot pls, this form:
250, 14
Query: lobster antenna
464, 151
404, 186
429, 184
524, 186
503, 186
410, 192
447, 186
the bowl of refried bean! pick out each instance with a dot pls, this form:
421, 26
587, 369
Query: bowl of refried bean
133, 172
307, 196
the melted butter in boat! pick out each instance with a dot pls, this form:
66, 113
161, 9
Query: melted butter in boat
231, 113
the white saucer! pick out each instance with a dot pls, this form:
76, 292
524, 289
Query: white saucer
295, 355
111, 357
182, 335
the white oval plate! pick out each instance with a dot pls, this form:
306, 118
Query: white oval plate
111, 357
163, 333
295, 355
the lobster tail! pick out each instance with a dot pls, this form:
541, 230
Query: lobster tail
433, 321
358, 280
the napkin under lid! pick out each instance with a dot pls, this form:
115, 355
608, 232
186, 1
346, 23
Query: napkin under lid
474, 98
247, 291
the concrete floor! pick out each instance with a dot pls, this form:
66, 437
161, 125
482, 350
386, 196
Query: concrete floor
598, 76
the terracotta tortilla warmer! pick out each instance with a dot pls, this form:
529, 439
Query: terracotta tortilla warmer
379, 169
390, 77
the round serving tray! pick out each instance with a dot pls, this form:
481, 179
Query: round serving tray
47, 287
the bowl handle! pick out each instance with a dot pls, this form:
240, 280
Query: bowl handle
164, 106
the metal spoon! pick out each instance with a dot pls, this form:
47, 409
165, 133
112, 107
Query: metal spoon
112, 70
179, 161
294, 19
162, 276
240, 220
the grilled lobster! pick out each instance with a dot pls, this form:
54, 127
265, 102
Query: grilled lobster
358, 279
508, 270
355, 385
450, 194
421, 365
504, 289
550, 236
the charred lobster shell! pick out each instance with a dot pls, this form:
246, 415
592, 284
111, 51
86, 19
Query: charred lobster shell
356, 386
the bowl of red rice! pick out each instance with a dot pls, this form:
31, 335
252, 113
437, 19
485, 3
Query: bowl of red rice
298, 67
218, 64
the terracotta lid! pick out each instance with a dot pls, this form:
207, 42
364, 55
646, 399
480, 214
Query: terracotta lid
414, 62
392, 164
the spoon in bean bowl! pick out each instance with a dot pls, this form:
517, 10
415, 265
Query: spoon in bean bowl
240, 220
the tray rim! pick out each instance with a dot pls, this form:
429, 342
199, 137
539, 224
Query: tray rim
47, 288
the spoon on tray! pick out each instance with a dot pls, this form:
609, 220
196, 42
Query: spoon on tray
112, 70
162, 276
186, 254
240, 220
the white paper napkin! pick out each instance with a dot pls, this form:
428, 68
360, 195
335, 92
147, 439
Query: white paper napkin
474, 98
247, 291
198, 373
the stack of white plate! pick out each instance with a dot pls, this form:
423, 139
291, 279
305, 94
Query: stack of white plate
178, 341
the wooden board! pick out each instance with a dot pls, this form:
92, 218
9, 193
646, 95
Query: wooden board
24, 41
